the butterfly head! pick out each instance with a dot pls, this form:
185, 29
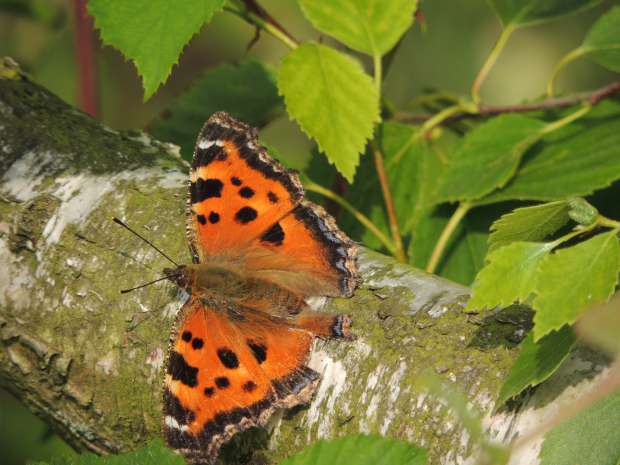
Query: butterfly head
182, 276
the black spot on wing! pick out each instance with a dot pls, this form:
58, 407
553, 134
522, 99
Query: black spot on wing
214, 217
274, 235
205, 189
249, 386
222, 382
259, 351
246, 192
235, 181
181, 371
201, 219
228, 357
197, 343
209, 391
246, 215
186, 336
273, 198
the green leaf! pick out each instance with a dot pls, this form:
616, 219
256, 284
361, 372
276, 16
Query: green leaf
247, 91
151, 33
572, 161
529, 224
154, 453
591, 437
602, 44
333, 101
573, 279
520, 261
488, 157
582, 212
600, 326
521, 12
536, 362
359, 449
369, 26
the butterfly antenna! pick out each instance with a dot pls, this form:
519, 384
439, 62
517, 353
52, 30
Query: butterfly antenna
125, 291
117, 221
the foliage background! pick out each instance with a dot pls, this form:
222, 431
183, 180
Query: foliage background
446, 55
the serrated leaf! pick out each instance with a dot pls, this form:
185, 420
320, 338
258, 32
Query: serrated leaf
247, 91
520, 261
591, 437
358, 449
369, 26
488, 157
572, 161
333, 101
602, 44
529, 224
154, 453
536, 362
522, 12
151, 33
574, 278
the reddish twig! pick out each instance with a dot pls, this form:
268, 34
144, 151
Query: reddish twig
85, 57
593, 98
254, 7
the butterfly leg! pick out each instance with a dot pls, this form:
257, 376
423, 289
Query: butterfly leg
324, 324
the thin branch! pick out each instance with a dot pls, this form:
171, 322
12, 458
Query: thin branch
85, 57
593, 98
254, 7
261, 23
399, 251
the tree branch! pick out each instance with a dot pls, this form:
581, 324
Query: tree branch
89, 360
593, 98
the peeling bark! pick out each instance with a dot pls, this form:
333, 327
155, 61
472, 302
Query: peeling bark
88, 360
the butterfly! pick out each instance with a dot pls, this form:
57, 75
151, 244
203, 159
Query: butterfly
240, 345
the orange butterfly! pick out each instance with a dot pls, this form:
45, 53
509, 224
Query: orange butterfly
240, 344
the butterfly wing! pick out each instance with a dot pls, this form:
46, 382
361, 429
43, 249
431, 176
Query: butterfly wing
236, 190
226, 374
247, 209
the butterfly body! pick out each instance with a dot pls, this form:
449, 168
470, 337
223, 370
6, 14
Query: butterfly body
240, 345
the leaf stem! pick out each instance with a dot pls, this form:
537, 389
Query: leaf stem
261, 23
555, 125
428, 125
446, 234
359, 216
490, 61
399, 251
566, 59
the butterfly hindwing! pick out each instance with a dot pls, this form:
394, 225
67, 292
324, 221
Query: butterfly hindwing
226, 374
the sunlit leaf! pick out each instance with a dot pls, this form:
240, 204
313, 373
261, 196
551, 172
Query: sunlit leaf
151, 33
488, 157
359, 449
333, 101
510, 275
529, 224
574, 278
369, 26
536, 362
572, 161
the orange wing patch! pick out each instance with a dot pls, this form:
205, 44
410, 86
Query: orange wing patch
306, 253
224, 376
236, 190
